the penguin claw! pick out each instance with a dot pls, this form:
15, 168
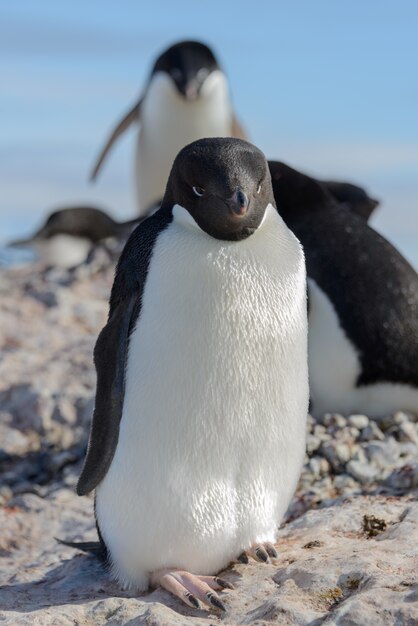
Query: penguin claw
190, 588
263, 552
271, 550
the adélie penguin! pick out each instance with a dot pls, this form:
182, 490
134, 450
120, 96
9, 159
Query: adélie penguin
68, 235
363, 304
186, 98
198, 433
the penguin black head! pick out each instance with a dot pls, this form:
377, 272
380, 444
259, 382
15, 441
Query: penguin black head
224, 184
188, 64
297, 194
353, 197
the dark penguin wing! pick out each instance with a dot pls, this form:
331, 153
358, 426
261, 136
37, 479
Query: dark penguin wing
131, 117
111, 350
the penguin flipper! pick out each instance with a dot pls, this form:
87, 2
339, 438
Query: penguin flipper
110, 355
111, 350
131, 117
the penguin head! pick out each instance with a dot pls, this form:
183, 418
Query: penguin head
297, 194
224, 184
354, 198
188, 65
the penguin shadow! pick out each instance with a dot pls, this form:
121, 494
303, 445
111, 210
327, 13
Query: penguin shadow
83, 579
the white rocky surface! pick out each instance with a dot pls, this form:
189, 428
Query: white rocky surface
329, 570
356, 571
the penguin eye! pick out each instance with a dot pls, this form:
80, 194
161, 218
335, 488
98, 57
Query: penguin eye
199, 191
259, 188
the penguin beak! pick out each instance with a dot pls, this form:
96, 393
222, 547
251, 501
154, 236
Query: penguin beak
375, 203
19, 243
238, 203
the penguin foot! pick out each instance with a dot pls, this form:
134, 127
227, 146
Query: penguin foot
191, 588
263, 552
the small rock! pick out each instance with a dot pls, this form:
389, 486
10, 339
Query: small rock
321, 432
344, 483
405, 449
324, 467
358, 454
400, 417
343, 452
314, 466
403, 478
334, 419
328, 451
354, 432
312, 443
47, 298
362, 472
5, 494
371, 432
408, 432
382, 454
358, 421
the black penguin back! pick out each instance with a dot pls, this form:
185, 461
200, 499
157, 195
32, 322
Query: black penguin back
371, 286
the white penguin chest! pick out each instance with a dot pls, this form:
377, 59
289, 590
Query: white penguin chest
217, 324
212, 432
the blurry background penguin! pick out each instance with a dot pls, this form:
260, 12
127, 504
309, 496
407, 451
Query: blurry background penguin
186, 98
363, 301
69, 234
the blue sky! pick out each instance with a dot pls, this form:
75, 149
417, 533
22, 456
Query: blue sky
329, 87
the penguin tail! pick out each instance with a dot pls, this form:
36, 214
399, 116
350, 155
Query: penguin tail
90, 547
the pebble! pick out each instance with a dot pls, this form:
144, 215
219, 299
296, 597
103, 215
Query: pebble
358, 421
334, 419
371, 432
359, 454
404, 478
343, 452
344, 483
5, 494
362, 472
354, 432
312, 443
400, 417
408, 432
382, 453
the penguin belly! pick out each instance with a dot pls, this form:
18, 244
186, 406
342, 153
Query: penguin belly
335, 367
212, 435
62, 250
168, 123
